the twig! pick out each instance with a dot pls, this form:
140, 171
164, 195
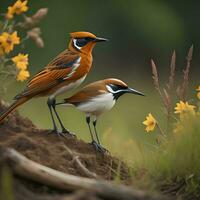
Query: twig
156, 82
31, 170
78, 163
161, 131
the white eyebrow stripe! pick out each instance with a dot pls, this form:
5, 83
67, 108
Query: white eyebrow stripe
112, 91
74, 42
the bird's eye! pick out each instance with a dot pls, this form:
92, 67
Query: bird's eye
80, 42
115, 88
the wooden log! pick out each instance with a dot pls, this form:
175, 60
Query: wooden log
31, 170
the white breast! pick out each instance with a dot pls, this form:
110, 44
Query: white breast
97, 105
70, 86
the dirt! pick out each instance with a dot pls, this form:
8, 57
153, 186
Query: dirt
48, 149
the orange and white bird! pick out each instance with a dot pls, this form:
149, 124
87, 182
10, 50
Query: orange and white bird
65, 72
96, 98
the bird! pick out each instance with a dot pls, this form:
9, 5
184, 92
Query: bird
65, 72
96, 98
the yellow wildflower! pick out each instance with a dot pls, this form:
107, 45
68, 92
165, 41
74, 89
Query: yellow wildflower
18, 8
182, 107
198, 92
21, 61
23, 75
150, 123
8, 41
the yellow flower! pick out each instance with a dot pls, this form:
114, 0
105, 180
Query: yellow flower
198, 92
8, 41
182, 107
23, 75
18, 8
21, 61
150, 123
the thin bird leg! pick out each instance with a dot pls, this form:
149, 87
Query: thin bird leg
95, 130
61, 124
64, 130
88, 123
98, 145
49, 103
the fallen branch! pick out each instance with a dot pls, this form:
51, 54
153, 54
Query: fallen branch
79, 164
31, 170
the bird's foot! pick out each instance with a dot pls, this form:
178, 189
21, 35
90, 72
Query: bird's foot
98, 147
67, 133
57, 132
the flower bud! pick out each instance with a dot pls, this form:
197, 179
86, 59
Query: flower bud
39, 42
35, 19
40, 14
34, 34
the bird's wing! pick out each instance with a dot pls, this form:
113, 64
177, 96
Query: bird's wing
58, 70
87, 93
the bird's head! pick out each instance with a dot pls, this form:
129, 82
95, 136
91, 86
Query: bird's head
84, 41
118, 88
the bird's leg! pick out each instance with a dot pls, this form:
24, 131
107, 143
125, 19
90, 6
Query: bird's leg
88, 123
98, 145
94, 143
95, 130
50, 103
64, 130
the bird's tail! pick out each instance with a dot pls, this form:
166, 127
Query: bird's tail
12, 107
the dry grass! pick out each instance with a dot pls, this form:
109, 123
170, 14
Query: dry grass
183, 88
166, 93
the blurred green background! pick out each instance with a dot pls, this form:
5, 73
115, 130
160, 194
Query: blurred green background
138, 30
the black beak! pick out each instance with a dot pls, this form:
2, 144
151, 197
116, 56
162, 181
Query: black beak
98, 39
130, 90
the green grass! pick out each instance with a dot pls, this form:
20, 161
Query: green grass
176, 162
6, 183
180, 156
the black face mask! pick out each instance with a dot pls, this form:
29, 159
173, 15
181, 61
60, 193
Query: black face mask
118, 89
80, 42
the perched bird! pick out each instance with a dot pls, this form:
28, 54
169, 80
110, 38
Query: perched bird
63, 73
96, 98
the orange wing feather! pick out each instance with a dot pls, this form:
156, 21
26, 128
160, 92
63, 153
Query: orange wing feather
51, 76
88, 92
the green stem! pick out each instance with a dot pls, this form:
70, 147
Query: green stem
161, 131
24, 39
5, 25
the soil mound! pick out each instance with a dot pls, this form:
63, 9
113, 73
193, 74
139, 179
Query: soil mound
49, 149
60, 154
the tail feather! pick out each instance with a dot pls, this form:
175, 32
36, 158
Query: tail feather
12, 107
